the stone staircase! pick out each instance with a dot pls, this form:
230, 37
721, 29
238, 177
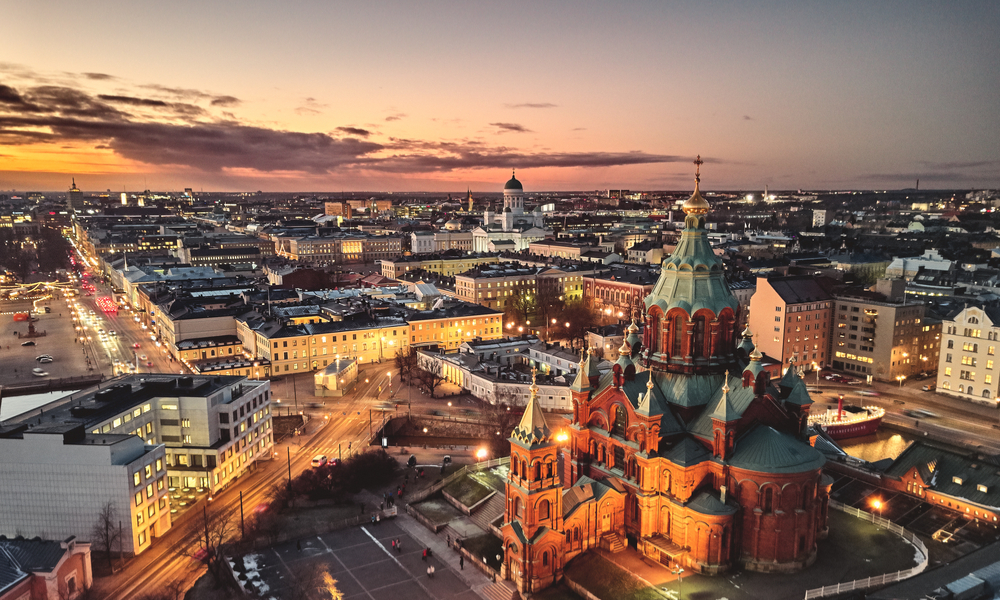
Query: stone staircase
612, 542
488, 512
501, 590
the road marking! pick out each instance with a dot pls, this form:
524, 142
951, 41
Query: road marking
405, 570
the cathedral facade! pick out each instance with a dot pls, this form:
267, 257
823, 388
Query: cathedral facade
687, 450
512, 228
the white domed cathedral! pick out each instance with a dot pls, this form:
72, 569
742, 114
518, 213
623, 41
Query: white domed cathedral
511, 228
686, 449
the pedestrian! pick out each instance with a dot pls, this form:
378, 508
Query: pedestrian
381, 505
378, 519
431, 569
393, 544
399, 546
423, 556
461, 562
449, 541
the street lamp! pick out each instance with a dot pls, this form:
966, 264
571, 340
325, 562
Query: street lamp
877, 505
481, 454
677, 570
901, 379
389, 375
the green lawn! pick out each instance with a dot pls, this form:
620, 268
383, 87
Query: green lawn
608, 581
490, 478
437, 511
560, 591
468, 491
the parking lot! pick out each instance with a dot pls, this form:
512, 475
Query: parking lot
357, 563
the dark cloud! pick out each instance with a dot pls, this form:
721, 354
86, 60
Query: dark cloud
747, 118
354, 131
451, 157
99, 76
11, 99
59, 115
507, 127
226, 101
532, 105
579, 129
973, 164
181, 93
133, 101
395, 117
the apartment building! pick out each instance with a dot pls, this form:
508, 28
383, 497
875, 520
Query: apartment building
449, 328
968, 365
423, 242
873, 337
620, 290
55, 479
448, 265
494, 287
339, 248
791, 316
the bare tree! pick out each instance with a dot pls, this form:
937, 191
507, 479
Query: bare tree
520, 306
549, 306
105, 533
432, 375
215, 529
499, 419
406, 362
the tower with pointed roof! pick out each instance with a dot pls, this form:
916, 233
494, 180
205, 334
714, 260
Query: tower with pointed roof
534, 511
687, 447
74, 198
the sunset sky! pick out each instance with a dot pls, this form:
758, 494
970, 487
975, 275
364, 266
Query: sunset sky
440, 96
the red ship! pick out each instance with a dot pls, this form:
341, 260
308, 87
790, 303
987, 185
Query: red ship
852, 421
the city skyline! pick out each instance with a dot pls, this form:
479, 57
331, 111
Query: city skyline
392, 97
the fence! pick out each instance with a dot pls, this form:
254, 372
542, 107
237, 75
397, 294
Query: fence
859, 584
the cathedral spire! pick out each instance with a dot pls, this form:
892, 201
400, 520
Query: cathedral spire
532, 430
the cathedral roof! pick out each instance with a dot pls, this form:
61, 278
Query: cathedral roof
513, 183
651, 402
581, 383
724, 410
532, 430
710, 504
692, 278
764, 449
687, 452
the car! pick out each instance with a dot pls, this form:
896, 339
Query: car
142, 357
868, 393
830, 376
149, 363
41, 356
136, 345
319, 460
929, 387
39, 372
113, 332
28, 343
45, 360
921, 413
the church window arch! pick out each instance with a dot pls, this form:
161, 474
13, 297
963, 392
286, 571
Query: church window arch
545, 559
538, 471
518, 507
548, 469
698, 341
677, 335
666, 481
620, 421
767, 506
543, 509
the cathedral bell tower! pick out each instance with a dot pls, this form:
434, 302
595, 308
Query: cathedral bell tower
533, 517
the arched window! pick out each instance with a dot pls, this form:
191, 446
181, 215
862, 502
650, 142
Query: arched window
621, 421
518, 508
543, 509
545, 559
986, 393
538, 471
666, 481
677, 336
768, 501
698, 343
548, 469
970, 390
576, 534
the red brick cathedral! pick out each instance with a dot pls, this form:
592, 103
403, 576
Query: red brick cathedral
686, 449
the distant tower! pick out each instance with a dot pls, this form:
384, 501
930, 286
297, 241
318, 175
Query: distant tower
74, 198
470, 200
124, 199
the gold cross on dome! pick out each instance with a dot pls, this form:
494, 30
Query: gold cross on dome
697, 168
533, 371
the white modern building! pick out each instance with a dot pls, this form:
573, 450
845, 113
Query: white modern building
153, 431
55, 479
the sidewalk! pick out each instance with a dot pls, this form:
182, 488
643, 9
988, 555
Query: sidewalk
472, 576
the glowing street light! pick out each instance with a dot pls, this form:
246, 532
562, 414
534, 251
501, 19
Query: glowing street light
481, 454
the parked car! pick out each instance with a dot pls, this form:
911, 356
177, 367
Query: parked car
868, 393
39, 372
45, 360
929, 387
921, 413
149, 363
319, 460
28, 343
142, 357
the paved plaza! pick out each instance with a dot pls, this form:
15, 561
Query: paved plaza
360, 564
